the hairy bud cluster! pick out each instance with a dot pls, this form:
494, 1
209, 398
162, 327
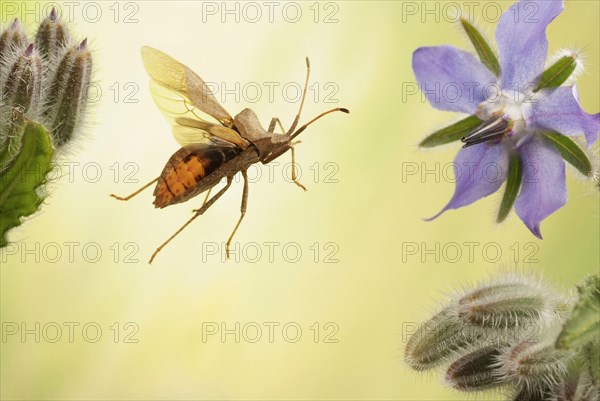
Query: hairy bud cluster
43, 95
45, 81
504, 334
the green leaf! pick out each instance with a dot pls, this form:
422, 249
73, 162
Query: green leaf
23, 175
557, 73
483, 49
513, 183
571, 152
452, 133
583, 324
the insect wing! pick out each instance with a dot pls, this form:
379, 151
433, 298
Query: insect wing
185, 99
190, 125
173, 75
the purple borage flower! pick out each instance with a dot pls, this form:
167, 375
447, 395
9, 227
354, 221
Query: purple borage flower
520, 117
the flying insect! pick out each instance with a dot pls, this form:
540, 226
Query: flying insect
214, 145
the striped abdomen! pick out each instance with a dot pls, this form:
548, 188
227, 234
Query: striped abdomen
181, 178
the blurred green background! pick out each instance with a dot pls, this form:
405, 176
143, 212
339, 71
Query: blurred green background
353, 313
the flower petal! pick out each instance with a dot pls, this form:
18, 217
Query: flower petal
479, 171
544, 188
451, 79
522, 43
558, 109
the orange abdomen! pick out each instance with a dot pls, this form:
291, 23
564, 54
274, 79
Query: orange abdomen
184, 172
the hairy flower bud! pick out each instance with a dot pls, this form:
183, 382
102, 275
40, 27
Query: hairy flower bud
12, 38
476, 370
534, 365
20, 98
52, 36
22, 88
512, 303
440, 339
67, 93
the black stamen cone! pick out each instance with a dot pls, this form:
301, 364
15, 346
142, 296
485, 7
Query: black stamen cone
489, 130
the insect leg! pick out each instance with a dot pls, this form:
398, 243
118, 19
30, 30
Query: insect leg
205, 199
198, 213
243, 210
275, 155
294, 178
126, 198
275, 120
207, 195
281, 151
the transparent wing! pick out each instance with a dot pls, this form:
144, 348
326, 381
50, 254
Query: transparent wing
186, 101
190, 124
191, 137
173, 75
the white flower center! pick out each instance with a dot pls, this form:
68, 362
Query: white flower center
513, 106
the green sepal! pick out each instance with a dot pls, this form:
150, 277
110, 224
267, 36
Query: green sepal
451, 133
513, 184
582, 327
483, 49
571, 152
557, 73
10, 139
24, 174
592, 356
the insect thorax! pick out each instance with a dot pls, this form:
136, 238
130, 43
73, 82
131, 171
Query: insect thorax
250, 129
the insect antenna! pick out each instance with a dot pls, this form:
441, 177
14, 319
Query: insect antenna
295, 134
297, 119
